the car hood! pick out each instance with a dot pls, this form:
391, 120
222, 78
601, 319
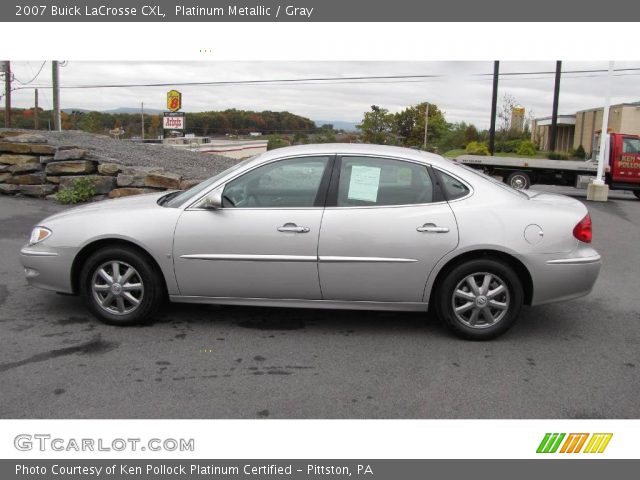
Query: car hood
126, 204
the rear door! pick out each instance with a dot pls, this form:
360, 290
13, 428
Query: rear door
383, 230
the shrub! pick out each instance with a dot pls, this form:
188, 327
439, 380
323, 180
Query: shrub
526, 148
81, 191
579, 153
509, 146
557, 156
276, 142
477, 148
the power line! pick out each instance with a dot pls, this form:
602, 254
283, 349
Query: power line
35, 76
331, 80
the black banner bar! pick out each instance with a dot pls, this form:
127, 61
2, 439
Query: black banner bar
319, 11
314, 469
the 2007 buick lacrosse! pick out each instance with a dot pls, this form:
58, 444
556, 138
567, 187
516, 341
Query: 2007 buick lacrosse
325, 226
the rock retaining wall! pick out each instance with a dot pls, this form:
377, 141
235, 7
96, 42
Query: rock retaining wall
29, 166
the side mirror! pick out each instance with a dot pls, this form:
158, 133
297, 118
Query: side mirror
213, 201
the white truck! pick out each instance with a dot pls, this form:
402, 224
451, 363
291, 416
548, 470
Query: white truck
622, 167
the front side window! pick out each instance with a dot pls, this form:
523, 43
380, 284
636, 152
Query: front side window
367, 181
290, 183
631, 145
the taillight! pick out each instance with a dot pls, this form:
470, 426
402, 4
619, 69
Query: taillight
582, 231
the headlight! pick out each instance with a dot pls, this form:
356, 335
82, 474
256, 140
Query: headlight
39, 234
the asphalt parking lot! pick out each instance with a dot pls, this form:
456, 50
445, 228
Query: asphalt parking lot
579, 359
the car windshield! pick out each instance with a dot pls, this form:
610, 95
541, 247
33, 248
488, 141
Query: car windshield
176, 199
492, 180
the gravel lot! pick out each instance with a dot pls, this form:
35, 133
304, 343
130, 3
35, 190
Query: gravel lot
191, 165
578, 359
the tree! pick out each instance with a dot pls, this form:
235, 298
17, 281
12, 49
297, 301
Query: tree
377, 126
504, 114
409, 125
471, 134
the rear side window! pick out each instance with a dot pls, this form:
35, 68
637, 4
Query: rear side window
368, 181
453, 187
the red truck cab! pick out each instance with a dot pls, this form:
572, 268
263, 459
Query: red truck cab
623, 169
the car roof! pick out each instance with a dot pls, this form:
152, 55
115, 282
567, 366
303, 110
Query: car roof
354, 149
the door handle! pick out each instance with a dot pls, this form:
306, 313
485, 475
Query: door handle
293, 228
432, 228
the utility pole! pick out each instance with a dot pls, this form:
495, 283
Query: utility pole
55, 80
7, 94
553, 132
426, 123
494, 104
598, 190
36, 118
604, 134
142, 118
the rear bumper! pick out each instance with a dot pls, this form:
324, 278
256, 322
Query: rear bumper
565, 277
48, 268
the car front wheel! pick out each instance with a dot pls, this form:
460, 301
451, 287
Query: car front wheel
479, 299
120, 287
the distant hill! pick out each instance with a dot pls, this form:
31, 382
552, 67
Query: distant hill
338, 125
129, 110
71, 110
150, 111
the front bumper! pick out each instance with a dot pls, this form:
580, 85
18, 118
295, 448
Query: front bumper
48, 268
564, 277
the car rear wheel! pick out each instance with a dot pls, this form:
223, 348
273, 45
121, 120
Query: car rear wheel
637, 194
120, 287
479, 299
519, 181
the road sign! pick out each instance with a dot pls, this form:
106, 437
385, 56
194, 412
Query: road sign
174, 100
173, 121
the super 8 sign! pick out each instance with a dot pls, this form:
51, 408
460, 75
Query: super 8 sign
174, 100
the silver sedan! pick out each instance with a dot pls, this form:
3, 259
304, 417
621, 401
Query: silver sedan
325, 226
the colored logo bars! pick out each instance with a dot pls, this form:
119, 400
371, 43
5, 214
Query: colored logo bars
595, 443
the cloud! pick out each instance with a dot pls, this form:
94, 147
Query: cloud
461, 93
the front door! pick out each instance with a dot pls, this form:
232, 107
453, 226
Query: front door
386, 232
263, 243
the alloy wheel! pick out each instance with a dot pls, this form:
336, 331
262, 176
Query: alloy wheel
117, 287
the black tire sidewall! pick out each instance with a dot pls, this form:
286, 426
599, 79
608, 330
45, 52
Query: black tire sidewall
444, 309
152, 286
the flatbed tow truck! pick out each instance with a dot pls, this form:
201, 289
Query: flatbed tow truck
622, 167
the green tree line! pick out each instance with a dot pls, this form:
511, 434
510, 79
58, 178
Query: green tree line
231, 121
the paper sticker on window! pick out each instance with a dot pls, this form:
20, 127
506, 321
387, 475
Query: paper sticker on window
364, 183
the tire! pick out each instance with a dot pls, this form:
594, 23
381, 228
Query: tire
143, 284
637, 194
474, 323
519, 181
